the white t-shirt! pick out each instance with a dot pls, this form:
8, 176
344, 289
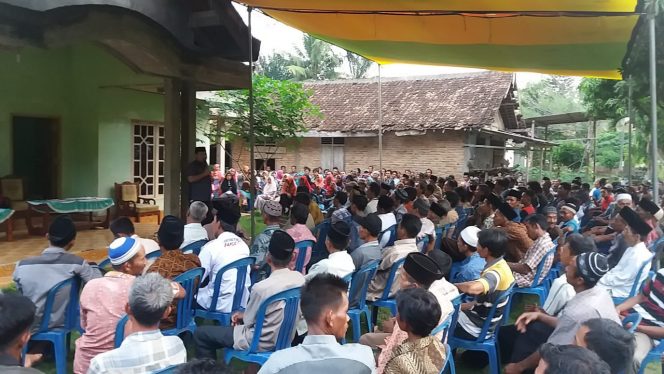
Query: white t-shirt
193, 232
560, 293
216, 254
148, 244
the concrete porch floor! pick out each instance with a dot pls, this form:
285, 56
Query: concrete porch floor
90, 244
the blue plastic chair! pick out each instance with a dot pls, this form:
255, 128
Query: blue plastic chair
168, 370
385, 301
153, 255
655, 355
319, 251
60, 336
423, 243
241, 266
459, 225
194, 247
449, 361
348, 278
105, 263
636, 286
451, 321
392, 231
486, 342
538, 288
359, 286
190, 280
303, 247
291, 298
631, 322
120, 331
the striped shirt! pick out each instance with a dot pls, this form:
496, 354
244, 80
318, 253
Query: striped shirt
496, 278
652, 310
141, 352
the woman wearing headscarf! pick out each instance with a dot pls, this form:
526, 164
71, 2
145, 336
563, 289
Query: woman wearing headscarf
304, 181
229, 184
288, 186
269, 193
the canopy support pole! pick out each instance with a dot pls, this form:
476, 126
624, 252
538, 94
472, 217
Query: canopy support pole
629, 131
252, 137
380, 122
594, 149
653, 104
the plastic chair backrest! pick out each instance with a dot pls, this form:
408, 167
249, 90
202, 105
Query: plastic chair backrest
392, 231
194, 247
450, 322
392, 277
120, 330
459, 225
637, 281
319, 251
71, 315
105, 263
303, 248
633, 320
348, 278
423, 243
189, 280
439, 237
167, 370
291, 298
504, 298
242, 266
359, 285
153, 255
540, 266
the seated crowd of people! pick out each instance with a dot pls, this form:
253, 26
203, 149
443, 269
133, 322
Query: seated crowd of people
434, 241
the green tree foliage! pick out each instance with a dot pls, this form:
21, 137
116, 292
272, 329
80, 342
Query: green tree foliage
608, 149
280, 110
568, 154
314, 61
358, 65
608, 98
275, 66
553, 95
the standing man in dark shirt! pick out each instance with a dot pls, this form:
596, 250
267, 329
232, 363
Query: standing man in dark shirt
198, 176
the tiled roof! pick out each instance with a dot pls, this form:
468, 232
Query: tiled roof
457, 101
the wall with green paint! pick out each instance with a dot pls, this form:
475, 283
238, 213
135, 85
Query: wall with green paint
79, 86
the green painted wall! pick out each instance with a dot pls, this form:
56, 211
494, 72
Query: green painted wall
74, 84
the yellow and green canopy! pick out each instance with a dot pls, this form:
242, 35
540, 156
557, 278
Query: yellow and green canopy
566, 37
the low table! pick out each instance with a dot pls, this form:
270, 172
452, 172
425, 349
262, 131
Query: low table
85, 206
7, 219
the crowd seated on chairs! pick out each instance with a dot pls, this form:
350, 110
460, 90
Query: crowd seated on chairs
482, 242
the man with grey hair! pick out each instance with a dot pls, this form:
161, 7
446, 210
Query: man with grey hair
145, 349
193, 230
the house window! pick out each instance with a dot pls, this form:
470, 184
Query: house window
148, 158
332, 152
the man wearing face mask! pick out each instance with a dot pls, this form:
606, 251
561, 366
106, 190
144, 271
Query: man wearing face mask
324, 304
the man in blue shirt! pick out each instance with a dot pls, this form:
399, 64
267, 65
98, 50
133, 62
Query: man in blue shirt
470, 268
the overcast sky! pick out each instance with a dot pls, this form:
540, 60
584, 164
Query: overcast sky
277, 37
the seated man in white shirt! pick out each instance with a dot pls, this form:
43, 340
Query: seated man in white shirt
324, 304
387, 217
145, 350
339, 262
122, 227
620, 279
421, 208
193, 230
216, 254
